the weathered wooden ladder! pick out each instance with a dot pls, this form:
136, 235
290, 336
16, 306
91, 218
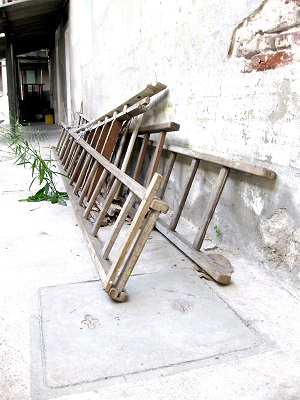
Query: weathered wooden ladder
215, 265
85, 154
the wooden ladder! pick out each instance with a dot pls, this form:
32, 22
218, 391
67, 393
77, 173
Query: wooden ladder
95, 157
216, 265
115, 273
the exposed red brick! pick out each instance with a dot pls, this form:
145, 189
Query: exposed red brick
297, 2
278, 42
262, 62
286, 39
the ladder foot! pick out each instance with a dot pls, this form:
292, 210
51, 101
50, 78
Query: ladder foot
117, 295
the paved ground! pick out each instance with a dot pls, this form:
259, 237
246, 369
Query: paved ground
177, 337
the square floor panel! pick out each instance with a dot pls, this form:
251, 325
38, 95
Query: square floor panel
170, 318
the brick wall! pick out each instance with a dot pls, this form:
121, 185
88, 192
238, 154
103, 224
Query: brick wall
269, 38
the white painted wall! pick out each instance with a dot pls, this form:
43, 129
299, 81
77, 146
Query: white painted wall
117, 47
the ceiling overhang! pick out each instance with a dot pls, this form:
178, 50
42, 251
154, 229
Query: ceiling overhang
31, 24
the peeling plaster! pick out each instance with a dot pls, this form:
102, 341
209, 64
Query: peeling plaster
253, 199
281, 106
281, 243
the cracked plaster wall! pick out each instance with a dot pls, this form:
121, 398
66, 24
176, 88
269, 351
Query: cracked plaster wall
202, 50
281, 242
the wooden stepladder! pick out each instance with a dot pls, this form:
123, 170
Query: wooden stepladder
96, 155
115, 272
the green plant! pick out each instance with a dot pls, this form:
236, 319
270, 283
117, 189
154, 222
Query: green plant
217, 230
42, 167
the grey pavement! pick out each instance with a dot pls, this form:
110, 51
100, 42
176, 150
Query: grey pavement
177, 336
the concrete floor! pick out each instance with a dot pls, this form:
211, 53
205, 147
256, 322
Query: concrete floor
177, 337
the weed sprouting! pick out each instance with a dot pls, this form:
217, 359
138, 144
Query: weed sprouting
43, 168
217, 230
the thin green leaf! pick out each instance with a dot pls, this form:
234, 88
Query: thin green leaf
62, 194
40, 193
42, 175
46, 188
62, 202
33, 167
54, 199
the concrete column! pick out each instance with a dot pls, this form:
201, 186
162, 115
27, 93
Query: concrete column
11, 81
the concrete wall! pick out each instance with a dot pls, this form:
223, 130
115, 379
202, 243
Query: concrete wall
4, 112
58, 75
224, 106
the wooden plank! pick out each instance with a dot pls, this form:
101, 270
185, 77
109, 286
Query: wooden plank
116, 162
96, 136
108, 146
141, 99
124, 135
237, 165
156, 157
82, 173
159, 205
131, 144
71, 154
64, 126
61, 139
102, 134
67, 151
107, 202
211, 206
74, 159
135, 251
141, 156
104, 130
130, 148
64, 143
149, 91
118, 225
132, 232
92, 138
79, 175
128, 113
217, 271
83, 118
157, 128
94, 196
178, 210
76, 170
88, 181
166, 175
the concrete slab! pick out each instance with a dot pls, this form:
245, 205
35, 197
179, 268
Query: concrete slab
41, 246
172, 318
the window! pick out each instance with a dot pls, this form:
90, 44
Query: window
30, 77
